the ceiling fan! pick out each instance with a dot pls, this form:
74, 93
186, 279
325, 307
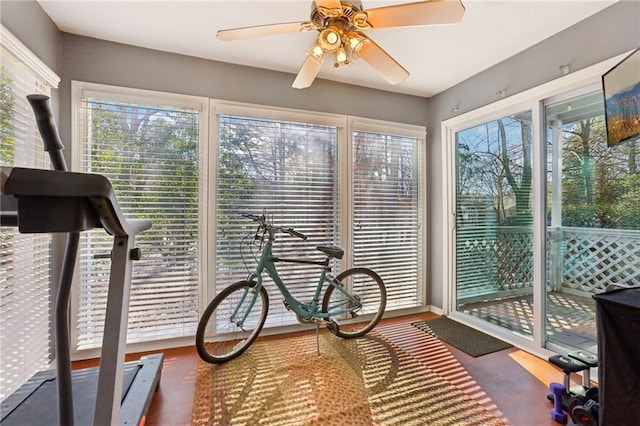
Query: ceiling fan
340, 25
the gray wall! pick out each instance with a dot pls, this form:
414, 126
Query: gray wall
100, 61
613, 31
27, 21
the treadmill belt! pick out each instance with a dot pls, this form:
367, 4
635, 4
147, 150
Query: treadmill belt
41, 397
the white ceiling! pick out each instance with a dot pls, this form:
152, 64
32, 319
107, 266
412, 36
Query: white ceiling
437, 57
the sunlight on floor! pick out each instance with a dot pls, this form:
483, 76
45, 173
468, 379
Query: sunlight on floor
538, 368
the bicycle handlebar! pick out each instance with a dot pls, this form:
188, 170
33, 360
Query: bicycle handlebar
262, 221
255, 217
295, 233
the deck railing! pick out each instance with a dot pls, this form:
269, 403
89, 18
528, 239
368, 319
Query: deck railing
594, 258
493, 260
499, 262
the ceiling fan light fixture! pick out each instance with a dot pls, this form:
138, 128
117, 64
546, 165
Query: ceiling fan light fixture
329, 39
329, 12
341, 57
354, 41
316, 52
341, 24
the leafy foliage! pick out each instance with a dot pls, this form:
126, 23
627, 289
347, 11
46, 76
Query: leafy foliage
495, 162
599, 182
150, 156
7, 122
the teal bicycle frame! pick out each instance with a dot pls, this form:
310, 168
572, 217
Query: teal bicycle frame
352, 304
306, 311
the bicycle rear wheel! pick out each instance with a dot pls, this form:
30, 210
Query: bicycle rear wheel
220, 338
366, 286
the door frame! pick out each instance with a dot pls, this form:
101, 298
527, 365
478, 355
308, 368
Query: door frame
532, 99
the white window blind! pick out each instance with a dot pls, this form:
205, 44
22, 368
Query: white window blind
285, 168
150, 152
386, 230
25, 332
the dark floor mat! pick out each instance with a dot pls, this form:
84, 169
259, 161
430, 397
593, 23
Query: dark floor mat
467, 339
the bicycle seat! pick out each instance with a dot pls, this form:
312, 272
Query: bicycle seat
334, 251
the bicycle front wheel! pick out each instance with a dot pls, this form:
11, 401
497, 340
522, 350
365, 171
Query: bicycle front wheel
355, 320
231, 322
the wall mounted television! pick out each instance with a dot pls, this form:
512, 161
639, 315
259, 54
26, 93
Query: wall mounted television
621, 88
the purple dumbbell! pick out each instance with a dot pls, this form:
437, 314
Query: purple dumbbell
557, 413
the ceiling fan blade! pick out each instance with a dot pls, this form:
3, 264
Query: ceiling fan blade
310, 68
375, 56
264, 30
433, 12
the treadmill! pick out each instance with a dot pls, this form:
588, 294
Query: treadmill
47, 201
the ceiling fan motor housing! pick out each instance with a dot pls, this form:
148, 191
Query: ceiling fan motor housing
338, 28
324, 17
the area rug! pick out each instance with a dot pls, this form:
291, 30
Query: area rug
365, 381
467, 339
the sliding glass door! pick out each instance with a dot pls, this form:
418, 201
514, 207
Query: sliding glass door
541, 213
593, 217
494, 222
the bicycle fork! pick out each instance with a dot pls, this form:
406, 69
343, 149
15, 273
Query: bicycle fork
237, 317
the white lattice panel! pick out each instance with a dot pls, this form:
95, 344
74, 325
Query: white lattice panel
595, 258
581, 259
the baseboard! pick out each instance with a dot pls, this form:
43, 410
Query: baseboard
436, 310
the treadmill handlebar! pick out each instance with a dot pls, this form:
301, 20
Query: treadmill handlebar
51, 188
41, 106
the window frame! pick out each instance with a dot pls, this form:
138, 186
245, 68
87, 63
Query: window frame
24, 55
80, 89
346, 126
210, 109
403, 130
221, 107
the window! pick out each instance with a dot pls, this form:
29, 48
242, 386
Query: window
286, 163
387, 232
518, 232
593, 215
25, 332
151, 150
295, 165
494, 215
289, 169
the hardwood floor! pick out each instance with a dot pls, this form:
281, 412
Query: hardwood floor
510, 383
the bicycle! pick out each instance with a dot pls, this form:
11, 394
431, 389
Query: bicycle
353, 303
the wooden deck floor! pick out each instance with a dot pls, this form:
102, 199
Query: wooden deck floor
571, 319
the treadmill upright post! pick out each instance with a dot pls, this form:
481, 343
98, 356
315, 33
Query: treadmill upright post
53, 145
61, 330
110, 377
